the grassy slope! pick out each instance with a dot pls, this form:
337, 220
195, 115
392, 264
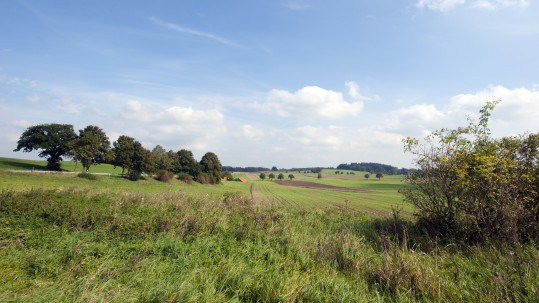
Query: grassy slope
20, 164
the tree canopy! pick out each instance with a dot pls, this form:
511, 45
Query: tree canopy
52, 140
90, 147
211, 165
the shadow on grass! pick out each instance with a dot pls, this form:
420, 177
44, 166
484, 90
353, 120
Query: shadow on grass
7, 164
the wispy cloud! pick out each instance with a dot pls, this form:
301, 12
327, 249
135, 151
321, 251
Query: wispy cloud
296, 5
447, 5
194, 32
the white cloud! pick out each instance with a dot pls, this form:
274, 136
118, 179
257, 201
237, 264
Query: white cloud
439, 5
21, 124
517, 113
329, 136
252, 133
178, 126
310, 102
35, 98
446, 5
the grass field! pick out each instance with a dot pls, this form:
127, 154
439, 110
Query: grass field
41, 165
69, 239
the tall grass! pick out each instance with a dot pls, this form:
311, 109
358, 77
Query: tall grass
77, 246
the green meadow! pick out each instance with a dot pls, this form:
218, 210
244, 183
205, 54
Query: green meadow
64, 238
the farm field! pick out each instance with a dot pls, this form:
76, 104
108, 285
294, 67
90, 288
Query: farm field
70, 239
378, 199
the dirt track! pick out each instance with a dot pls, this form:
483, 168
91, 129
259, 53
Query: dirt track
307, 184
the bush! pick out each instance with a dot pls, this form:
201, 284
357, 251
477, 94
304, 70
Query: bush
473, 187
204, 178
164, 176
185, 177
87, 176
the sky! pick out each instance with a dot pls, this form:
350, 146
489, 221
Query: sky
291, 83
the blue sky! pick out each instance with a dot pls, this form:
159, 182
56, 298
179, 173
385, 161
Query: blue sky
264, 83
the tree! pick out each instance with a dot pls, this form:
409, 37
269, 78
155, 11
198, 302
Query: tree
123, 151
90, 147
280, 176
271, 176
291, 176
141, 160
164, 160
187, 163
52, 140
379, 175
471, 186
262, 176
337, 172
274, 168
367, 176
211, 165
319, 176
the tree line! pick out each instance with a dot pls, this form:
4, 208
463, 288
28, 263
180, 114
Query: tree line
91, 146
375, 167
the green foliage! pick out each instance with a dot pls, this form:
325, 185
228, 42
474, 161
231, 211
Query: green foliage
319, 176
367, 176
291, 177
164, 176
130, 155
90, 147
211, 166
280, 176
379, 175
187, 163
52, 140
262, 176
185, 177
227, 174
475, 187
123, 151
271, 176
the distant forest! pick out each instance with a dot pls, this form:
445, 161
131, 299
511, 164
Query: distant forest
375, 168
245, 169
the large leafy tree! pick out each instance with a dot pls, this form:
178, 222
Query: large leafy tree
123, 151
186, 163
164, 160
90, 147
211, 165
52, 140
141, 161
130, 154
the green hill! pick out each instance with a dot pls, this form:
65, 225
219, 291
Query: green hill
21, 164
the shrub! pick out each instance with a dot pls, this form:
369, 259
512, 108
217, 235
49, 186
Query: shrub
164, 176
204, 178
473, 187
87, 176
185, 177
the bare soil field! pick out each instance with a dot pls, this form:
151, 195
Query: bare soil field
307, 184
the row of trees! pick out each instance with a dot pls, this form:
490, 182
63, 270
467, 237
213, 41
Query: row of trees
92, 146
271, 176
375, 167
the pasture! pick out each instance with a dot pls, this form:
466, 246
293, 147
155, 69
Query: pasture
70, 239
